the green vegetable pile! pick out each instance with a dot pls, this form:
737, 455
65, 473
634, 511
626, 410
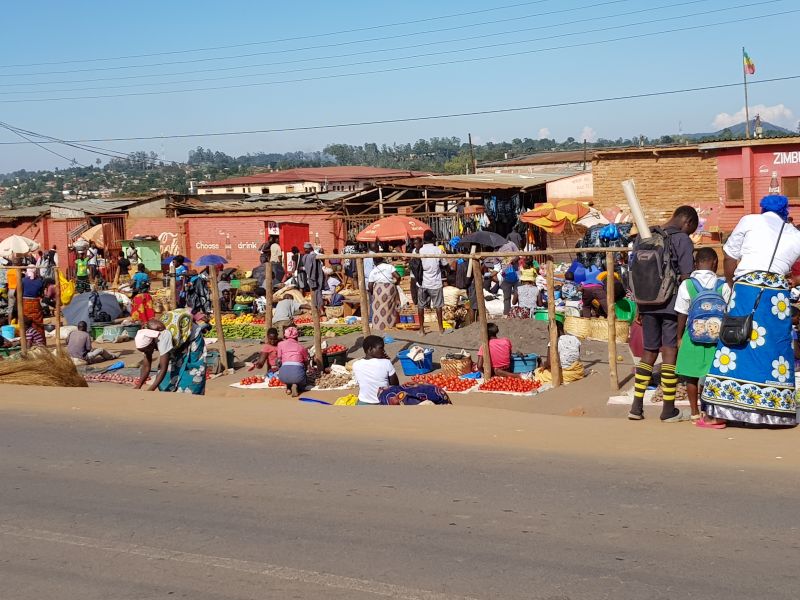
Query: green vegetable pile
244, 331
335, 329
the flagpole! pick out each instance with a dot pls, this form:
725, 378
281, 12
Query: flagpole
746, 104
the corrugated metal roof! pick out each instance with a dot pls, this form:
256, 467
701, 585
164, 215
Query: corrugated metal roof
254, 204
24, 212
97, 206
479, 182
770, 141
543, 158
317, 174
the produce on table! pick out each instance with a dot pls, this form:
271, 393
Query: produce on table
335, 349
332, 380
303, 320
244, 319
244, 299
335, 329
251, 380
510, 384
449, 383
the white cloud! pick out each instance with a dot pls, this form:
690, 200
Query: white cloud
588, 134
544, 133
778, 114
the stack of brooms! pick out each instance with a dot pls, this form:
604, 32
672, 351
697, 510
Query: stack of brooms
41, 367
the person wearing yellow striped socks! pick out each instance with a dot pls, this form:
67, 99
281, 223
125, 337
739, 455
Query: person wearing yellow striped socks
660, 323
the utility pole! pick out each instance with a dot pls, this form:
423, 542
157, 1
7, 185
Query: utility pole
472, 154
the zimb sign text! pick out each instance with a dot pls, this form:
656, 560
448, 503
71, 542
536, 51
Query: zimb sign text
787, 158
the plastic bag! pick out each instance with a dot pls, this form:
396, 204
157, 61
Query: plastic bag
349, 400
67, 289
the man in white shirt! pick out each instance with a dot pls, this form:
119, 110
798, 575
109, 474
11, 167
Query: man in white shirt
430, 293
374, 371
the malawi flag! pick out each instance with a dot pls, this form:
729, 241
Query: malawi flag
749, 65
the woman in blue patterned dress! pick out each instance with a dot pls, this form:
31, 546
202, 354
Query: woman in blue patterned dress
755, 383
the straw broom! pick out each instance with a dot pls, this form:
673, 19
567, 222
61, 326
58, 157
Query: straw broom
41, 367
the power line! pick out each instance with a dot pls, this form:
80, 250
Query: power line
380, 50
396, 69
385, 60
71, 161
432, 117
382, 38
290, 39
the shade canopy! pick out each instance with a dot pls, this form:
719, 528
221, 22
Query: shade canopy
94, 234
210, 259
392, 229
17, 244
483, 238
554, 216
92, 307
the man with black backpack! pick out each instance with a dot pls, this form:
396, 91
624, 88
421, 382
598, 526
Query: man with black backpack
657, 266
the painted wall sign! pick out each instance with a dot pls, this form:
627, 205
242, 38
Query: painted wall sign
787, 158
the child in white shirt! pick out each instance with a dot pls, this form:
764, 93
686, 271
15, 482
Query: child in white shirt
374, 371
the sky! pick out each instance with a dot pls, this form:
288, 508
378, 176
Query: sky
65, 71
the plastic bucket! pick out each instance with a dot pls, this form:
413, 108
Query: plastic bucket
400, 270
524, 363
416, 368
8, 331
625, 309
338, 358
541, 315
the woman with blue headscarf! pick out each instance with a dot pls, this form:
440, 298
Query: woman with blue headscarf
754, 383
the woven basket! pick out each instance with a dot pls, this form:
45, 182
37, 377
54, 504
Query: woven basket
456, 366
248, 286
577, 326
334, 312
599, 330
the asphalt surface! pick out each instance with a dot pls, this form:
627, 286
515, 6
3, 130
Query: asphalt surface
93, 508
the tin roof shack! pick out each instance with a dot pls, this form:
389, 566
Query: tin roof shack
726, 177
29, 221
450, 204
236, 229
306, 180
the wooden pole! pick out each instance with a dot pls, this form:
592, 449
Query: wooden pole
380, 201
58, 310
212, 271
173, 287
268, 288
317, 332
612, 324
23, 340
362, 288
482, 320
555, 363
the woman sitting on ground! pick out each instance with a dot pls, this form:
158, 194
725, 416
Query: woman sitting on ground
569, 356
293, 362
499, 353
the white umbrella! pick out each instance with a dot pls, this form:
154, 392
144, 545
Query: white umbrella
17, 244
595, 217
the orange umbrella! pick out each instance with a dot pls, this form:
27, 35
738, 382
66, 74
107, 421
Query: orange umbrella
392, 229
554, 216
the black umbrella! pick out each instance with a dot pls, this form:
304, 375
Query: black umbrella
484, 238
92, 307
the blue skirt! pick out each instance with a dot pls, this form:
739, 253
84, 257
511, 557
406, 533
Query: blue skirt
755, 383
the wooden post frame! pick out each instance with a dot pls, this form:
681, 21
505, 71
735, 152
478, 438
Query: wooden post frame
482, 320
173, 287
23, 340
58, 309
212, 272
362, 289
317, 332
268, 288
613, 376
555, 361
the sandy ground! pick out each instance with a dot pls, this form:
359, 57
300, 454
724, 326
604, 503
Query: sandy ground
587, 397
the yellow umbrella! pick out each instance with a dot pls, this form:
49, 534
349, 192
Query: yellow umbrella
554, 216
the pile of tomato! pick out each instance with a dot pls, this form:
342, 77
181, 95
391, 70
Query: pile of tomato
335, 349
303, 320
449, 383
510, 384
251, 380
275, 382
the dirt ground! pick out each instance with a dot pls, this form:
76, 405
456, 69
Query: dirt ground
588, 397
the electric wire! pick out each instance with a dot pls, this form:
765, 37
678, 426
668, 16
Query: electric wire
387, 60
433, 117
71, 161
397, 69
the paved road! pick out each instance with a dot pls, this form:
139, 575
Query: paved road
98, 509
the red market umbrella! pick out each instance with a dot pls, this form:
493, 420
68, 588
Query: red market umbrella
392, 229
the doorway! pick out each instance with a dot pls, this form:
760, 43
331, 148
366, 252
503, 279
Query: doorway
293, 234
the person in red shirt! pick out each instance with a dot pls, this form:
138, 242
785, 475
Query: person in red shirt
269, 352
499, 352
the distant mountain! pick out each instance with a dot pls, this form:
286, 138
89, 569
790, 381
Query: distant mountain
738, 131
